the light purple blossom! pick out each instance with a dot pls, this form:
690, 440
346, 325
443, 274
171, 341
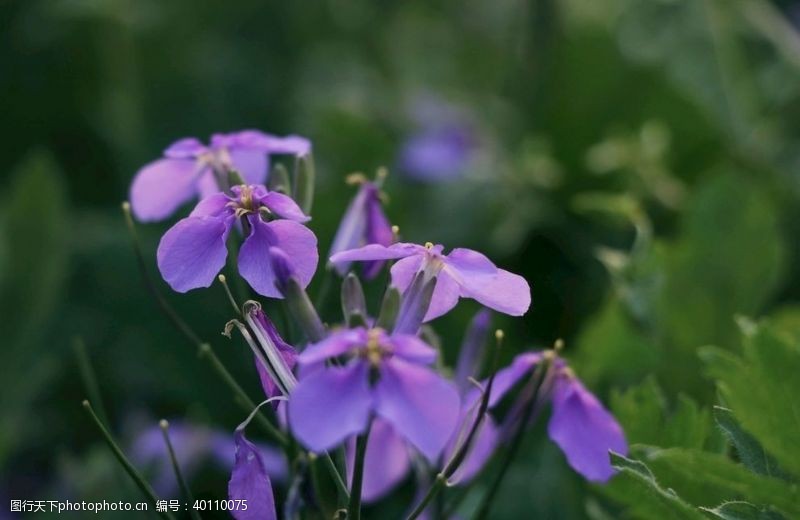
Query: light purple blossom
190, 169
193, 251
363, 223
385, 376
580, 425
463, 273
250, 482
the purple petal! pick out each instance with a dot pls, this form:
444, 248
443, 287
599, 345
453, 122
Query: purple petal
472, 350
251, 164
284, 206
470, 263
505, 379
206, 184
352, 228
193, 251
584, 429
378, 252
411, 348
186, 148
379, 230
334, 345
445, 296
249, 482
222, 450
211, 206
421, 405
296, 240
404, 270
267, 384
483, 447
329, 405
291, 144
161, 187
386, 462
505, 292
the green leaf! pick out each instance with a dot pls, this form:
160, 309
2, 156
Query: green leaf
706, 479
34, 229
761, 389
636, 486
749, 450
739, 510
643, 412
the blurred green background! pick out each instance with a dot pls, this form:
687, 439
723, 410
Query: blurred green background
636, 160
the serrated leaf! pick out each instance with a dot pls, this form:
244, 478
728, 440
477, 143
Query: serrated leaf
706, 479
643, 412
738, 510
637, 487
749, 450
762, 387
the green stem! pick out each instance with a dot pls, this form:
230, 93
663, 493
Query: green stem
530, 410
138, 479
89, 377
187, 493
354, 507
343, 495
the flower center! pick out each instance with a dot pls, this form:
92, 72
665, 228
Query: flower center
374, 351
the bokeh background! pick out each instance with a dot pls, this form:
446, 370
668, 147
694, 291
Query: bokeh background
636, 160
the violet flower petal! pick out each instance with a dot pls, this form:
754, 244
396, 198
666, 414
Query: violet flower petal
421, 405
470, 262
352, 229
386, 462
251, 164
250, 482
378, 231
186, 148
193, 251
206, 184
211, 206
411, 348
483, 447
334, 345
161, 187
505, 379
505, 292
296, 240
404, 270
584, 429
445, 296
378, 252
329, 405
284, 206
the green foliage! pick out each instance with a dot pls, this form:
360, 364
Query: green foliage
760, 421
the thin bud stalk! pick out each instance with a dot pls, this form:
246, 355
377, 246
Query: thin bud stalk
138, 479
187, 493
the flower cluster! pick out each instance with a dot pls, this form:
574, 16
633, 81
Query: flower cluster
371, 388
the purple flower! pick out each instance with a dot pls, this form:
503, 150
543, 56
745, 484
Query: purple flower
193, 251
385, 376
249, 481
438, 154
580, 425
190, 168
463, 273
363, 223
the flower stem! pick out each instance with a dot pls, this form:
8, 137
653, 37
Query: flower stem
204, 350
187, 493
354, 507
141, 483
343, 495
531, 409
89, 377
461, 453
